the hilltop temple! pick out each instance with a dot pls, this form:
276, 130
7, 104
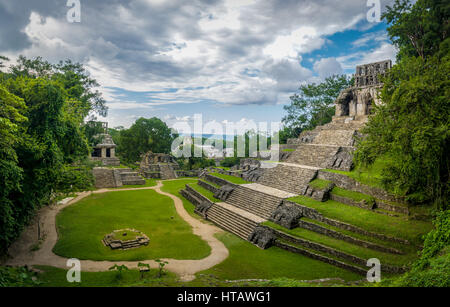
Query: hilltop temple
315, 155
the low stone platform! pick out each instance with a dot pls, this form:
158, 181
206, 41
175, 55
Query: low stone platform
112, 240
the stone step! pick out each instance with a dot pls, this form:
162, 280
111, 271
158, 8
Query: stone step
231, 221
124, 174
256, 202
313, 155
288, 178
137, 181
224, 215
338, 137
136, 177
233, 227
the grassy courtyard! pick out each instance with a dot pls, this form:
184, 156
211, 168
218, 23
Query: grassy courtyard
174, 186
82, 226
246, 261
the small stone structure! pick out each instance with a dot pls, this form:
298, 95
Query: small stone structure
158, 165
106, 177
105, 150
115, 241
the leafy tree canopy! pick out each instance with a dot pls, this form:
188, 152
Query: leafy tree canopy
42, 108
412, 126
146, 134
418, 29
314, 104
73, 77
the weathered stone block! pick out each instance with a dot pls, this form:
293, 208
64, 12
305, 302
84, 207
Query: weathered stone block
287, 215
224, 192
263, 237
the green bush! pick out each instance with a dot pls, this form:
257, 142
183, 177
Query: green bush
433, 267
17, 277
75, 179
230, 161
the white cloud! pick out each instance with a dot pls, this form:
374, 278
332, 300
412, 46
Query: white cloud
302, 40
384, 52
229, 52
327, 66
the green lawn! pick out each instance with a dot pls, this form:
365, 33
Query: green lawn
348, 248
174, 186
207, 193
232, 179
82, 226
246, 261
400, 227
370, 175
55, 277
356, 196
320, 183
226, 168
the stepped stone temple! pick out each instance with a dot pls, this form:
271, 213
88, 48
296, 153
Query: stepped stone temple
243, 208
107, 177
105, 150
158, 165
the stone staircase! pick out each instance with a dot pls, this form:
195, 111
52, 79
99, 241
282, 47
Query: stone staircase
293, 179
255, 202
313, 155
167, 172
335, 137
130, 177
233, 219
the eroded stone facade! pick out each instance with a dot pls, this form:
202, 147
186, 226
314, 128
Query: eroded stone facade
360, 99
158, 165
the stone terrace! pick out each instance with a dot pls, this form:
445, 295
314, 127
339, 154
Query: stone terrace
253, 201
293, 179
233, 219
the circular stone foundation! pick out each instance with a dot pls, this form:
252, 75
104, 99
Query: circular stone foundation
125, 239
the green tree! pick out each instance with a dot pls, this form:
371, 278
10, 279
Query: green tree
412, 124
12, 109
418, 29
80, 87
72, 76
314, 104
41, 133
2, 60
288, 133
144, 135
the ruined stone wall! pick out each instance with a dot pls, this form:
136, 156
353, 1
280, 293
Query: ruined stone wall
106, 178
348, 183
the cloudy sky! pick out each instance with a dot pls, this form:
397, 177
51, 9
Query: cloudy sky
229, 60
